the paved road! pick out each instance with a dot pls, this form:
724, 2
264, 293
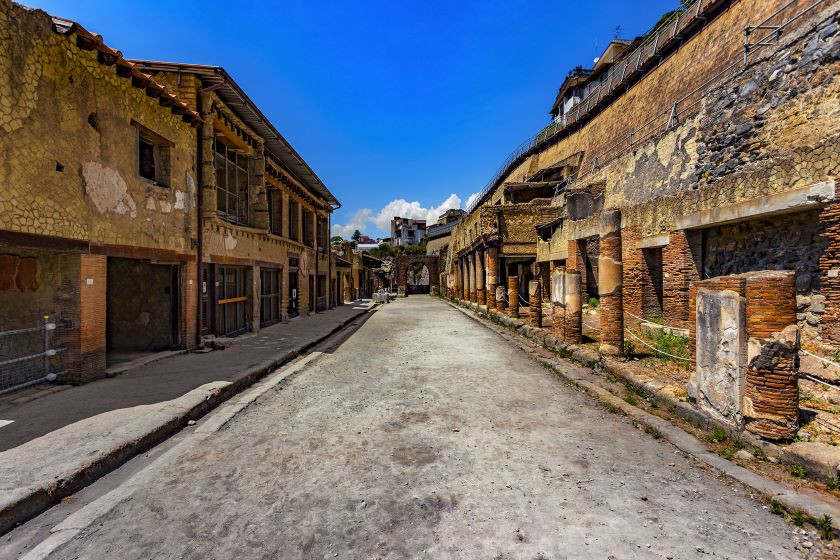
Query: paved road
163, 380
425, 435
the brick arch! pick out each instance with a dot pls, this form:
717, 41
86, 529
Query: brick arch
404, 262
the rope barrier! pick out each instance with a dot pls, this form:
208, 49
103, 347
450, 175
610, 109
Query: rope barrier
815, 380
656, 349
820, 358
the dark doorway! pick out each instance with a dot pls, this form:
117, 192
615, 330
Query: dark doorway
142, 308
591, 252
269, 296
293, 288
231, 300
652, 283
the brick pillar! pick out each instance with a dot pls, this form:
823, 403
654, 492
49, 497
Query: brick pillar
479, 277
93, 280
471, 269
830, 273
572, 333
465, 276
535, 302
189, 327
681, 266
255, 298
207, 190
492, 270
771, 395
513, 296
576, 263
636, 278
610, 282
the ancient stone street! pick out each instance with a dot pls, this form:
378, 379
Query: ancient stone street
425, 435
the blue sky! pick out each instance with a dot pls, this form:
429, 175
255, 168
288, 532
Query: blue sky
400, 107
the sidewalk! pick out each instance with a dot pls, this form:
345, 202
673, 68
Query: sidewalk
64, 439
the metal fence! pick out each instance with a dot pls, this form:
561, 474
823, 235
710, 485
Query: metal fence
757, 36
28, 356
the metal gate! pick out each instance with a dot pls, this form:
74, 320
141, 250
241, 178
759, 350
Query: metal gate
28, 356
232, 300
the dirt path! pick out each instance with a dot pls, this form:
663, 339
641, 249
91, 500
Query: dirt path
427, 436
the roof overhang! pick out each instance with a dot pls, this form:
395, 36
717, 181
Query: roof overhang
218, 80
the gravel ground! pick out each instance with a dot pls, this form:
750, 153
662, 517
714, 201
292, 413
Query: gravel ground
426, 435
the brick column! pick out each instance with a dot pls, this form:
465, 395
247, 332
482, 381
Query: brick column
575, 262
513, 296
465, 280
479, 278
771, 395
93, 280
573, 314
535, 302
255, 299
491, 270
471, 269
610, 282
680, 266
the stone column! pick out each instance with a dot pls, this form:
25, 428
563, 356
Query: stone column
471, 268
610, 271
490, 269
535, 301
513, 296
572, 333
479, 278
465, 277
501, 292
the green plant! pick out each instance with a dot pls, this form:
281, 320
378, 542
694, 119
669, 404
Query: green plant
737, 442
797, 471
776, 508
612, 378
629, 350
824, 525
759, 453
717, 435
563, 352
593, 302
653, 432
670, 344
727, 453
630, 399
657, 319
797, 518
653, 402
834, 483
835, 357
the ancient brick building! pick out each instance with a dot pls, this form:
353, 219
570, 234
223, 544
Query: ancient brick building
266, 214
719, 163
143, 205
97, 217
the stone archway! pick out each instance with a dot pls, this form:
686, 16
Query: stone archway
417, 279
417, 274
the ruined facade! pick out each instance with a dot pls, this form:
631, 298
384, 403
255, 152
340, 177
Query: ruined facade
143, 205
693, 158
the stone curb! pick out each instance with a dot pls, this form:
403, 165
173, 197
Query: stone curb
29, 502
809, 502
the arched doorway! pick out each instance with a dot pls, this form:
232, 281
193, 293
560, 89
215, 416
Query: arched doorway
417, 279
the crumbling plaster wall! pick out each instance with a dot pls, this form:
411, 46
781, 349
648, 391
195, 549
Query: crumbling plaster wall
70, 151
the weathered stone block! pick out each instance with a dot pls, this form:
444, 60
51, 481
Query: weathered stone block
718, 381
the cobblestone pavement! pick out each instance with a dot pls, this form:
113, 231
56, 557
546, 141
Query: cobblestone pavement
426, 435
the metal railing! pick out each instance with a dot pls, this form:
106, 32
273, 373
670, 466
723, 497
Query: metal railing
31, 366
635, 62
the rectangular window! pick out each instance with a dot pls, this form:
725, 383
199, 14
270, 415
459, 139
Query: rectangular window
322, 233
294, 220
153, 156
275, 211
232, 184
308, 228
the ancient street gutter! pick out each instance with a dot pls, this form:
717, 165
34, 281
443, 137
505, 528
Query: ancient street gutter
584, 376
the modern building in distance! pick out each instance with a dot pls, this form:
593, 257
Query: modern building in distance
407, 231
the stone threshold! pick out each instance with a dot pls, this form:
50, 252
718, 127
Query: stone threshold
818, 466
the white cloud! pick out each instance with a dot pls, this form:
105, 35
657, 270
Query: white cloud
472, 198
357, 223
381, 220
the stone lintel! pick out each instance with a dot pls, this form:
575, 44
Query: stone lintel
584, 232
794, 200
654, 241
